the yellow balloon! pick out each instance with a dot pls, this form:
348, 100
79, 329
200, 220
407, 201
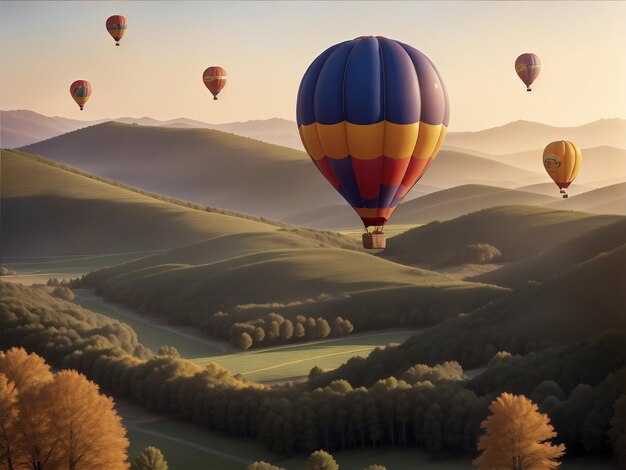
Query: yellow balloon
562, 160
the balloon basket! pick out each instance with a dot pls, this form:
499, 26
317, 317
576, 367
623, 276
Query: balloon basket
565, 196
528, 89
215, 98
117, 43
374, 241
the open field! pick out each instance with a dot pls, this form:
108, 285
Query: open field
178, 456
40, 269
289, 361
151, 332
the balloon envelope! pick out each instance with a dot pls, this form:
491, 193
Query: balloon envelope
81, 91
528, 67
372, 114
116, 26
214, 79
562, 160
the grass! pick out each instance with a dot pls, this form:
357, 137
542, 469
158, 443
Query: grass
290, 361
150, 334
178, 456
243, 448
517, 231
201, 165
55, 211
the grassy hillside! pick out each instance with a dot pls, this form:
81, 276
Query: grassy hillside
607, 200
559, 259
453, 168
517, 231
574, 306
520, 136
260, 277
50, 210
461, 200
440, 205
200, 165
246, 277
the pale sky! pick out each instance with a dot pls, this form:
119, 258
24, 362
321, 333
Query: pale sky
267, 46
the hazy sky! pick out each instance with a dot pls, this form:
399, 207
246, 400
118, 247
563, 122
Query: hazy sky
267, 46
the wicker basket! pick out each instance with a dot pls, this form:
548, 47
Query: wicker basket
374, 241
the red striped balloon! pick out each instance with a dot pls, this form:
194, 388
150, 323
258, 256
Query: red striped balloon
81, 91
214, 79
116, 26
527, 67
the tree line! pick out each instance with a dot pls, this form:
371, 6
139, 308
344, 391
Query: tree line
275, 329
438, 416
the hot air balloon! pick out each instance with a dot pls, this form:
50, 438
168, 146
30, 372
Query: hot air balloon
214, 79
562, 160
116, 26
372, 114
80, 91
528, 67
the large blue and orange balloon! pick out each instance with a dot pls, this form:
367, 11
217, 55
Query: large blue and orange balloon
528, 67
81, 91
372, 114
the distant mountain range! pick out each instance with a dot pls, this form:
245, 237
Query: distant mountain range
22, 127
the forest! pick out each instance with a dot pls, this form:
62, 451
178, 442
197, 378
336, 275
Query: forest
578, 386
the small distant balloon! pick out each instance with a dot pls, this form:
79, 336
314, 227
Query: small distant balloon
81, 91
528, 67
214, 79
562, 160
116, 26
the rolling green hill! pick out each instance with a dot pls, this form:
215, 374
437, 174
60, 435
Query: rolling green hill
461, 200
607, 200
237, 173
190, 284
517, 231
201, 165
574, 306
49, 211
440, 205
560, 258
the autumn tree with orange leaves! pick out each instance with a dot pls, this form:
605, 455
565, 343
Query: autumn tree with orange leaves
516, 436
55, 422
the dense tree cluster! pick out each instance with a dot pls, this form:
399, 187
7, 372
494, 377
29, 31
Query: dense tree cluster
407, 306
55, 422
438, 417
54, 328
275, 329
